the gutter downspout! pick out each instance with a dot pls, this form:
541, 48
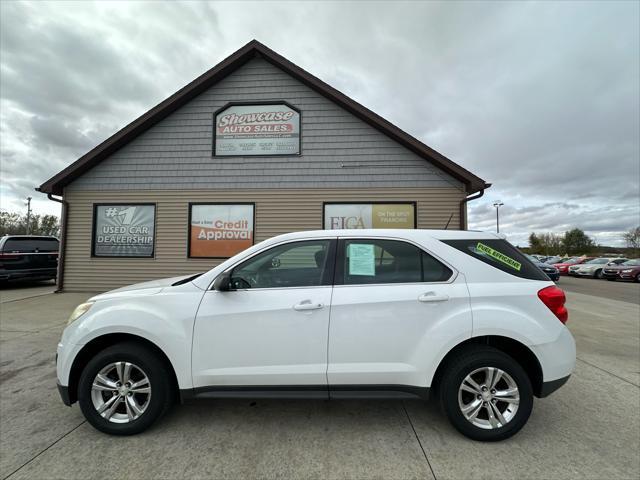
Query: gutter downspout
63, 240
463, 205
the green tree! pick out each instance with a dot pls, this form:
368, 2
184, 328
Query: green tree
577, 242
534, 242
632, 238
12, 223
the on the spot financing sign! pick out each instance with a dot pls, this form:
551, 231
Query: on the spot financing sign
369, 215
220, 231
257, 130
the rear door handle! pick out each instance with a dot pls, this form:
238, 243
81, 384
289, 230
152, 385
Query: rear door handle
432, 297
307, 305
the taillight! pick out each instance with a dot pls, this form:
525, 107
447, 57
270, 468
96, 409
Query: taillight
554, 299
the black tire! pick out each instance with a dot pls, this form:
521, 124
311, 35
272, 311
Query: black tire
160, 380
464, 363
598, 274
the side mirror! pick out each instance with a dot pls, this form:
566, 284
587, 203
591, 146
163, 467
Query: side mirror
222, 283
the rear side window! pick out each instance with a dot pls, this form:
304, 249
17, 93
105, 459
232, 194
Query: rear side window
501, 255
30, 245
371, 261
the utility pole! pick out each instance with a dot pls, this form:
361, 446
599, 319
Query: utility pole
28, 215
498, 204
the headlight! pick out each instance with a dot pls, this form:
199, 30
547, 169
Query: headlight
79, 311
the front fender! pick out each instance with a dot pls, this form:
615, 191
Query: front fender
165, 319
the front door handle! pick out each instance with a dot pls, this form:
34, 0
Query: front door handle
432, 297
307, 305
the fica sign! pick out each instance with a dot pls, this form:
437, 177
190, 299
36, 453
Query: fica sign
260, 129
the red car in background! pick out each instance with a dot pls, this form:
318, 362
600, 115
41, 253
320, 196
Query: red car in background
629, 270
563, 267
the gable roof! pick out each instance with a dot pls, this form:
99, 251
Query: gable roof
252, 49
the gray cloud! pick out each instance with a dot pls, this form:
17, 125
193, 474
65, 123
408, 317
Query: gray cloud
540, 99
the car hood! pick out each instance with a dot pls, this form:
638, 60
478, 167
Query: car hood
145, 288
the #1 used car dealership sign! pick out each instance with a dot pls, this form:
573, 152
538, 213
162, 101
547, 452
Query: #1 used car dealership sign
123, 230
272, 129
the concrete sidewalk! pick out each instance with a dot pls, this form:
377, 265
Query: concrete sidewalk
588, 429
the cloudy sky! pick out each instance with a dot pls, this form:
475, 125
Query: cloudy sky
540, 99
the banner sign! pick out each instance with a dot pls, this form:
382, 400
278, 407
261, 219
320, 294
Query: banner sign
369, 215
257, 130
219, 230
501, 257
124, 230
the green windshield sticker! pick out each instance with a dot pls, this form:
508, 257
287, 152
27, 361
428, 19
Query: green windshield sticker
481, 247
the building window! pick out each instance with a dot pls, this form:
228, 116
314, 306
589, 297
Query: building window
123, 230
220, 230
369, 215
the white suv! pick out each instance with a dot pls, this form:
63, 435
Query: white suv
463, 316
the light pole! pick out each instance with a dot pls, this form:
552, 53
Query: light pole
28, 214
498, 204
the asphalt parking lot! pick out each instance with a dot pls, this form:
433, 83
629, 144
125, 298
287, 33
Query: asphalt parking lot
588, 429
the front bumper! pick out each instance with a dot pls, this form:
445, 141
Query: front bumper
584, 274
64, 394
549, 387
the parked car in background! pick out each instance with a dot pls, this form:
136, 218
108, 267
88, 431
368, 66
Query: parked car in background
594, 268
629, 270
563, 266
31, 257
549, 270
329, 314
553, 260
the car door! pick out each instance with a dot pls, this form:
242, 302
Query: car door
271, 329
394, 306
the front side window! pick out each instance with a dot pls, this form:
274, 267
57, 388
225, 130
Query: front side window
388, 261
298, 264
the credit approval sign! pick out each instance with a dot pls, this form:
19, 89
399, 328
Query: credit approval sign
245, 130
220, 230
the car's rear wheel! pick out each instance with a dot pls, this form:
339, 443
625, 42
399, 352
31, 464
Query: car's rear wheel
638, 278
486, 394
124, 389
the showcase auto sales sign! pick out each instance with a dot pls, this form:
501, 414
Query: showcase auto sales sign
246, 130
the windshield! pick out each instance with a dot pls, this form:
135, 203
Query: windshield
598, 261
632, 263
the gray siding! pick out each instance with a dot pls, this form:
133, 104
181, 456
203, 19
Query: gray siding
338, 149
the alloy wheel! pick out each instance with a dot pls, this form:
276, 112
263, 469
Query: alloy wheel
121, 392
488, 398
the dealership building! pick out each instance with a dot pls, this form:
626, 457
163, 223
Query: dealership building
253, 148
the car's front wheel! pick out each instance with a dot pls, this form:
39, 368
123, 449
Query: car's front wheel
486, 394
598, 274
124, 389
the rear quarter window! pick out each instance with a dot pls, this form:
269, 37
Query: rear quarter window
499, 254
